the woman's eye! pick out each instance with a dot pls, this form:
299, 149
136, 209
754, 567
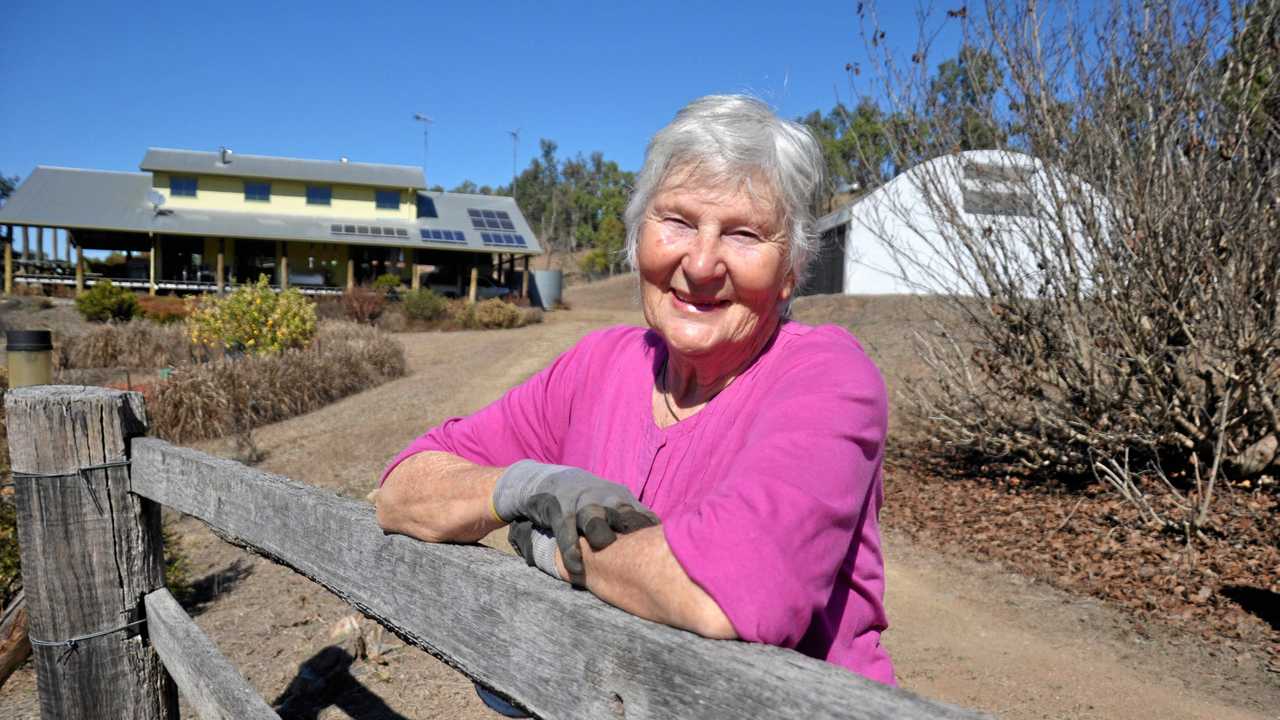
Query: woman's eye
744, 237
674, 220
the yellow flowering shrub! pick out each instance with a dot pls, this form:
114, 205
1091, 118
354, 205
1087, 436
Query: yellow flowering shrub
254, 318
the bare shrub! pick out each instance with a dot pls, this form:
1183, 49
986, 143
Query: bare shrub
1121, 290
362, 304
392, 320
492, 314
227, 396
139, 344
495, 313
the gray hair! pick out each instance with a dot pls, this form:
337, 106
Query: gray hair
727, 140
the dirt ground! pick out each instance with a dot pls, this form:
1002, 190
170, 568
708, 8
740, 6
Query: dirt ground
964, 629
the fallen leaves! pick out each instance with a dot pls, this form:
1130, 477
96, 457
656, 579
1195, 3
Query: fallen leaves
1225, 588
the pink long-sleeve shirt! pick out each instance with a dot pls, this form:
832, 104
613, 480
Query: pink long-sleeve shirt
769, 497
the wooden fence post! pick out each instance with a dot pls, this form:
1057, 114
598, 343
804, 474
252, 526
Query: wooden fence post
90, 552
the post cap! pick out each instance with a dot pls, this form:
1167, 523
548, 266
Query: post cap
28, 340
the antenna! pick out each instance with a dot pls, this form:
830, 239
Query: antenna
426, 145
515, 142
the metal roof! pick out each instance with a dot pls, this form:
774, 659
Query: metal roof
116, 201
282, 168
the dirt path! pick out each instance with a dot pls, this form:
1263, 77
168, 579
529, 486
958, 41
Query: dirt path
963, 631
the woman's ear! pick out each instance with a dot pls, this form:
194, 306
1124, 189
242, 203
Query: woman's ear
788, 287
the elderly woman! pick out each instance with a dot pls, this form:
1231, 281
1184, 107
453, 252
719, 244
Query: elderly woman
719, 471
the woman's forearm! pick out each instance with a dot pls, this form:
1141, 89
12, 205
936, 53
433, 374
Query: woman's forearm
639, 574
438, 497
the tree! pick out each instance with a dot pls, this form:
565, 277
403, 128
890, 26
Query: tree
7, 186
1121, 323
854, 144
961, 96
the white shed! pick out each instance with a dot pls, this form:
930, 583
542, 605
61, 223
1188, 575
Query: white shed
907, 236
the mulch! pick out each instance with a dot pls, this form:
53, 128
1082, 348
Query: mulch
1224, 587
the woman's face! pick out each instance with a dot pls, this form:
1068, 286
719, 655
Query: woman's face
713, 269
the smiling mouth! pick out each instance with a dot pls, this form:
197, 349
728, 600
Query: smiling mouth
697, 305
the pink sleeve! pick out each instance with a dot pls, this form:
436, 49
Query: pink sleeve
768, 543
528, 422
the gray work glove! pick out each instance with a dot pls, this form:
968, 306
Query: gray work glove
571, 503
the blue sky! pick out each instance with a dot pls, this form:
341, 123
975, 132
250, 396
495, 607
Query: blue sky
94, 84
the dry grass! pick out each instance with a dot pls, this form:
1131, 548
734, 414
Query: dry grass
492, 314
230, 394
139, 344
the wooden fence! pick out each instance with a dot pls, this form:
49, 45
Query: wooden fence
110, 642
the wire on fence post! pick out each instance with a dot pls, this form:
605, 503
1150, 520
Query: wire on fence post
81, 473
73, 644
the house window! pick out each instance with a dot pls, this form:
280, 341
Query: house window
182, 185
319, 195
257, 191
388, 199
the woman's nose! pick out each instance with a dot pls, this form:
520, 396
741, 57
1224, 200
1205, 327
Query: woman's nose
702, 261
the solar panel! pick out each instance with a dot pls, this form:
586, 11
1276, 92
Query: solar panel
473, 212
503, 240
507, 224
447, 236
335, 228
401, 232
502, 215
375, 231
350, 229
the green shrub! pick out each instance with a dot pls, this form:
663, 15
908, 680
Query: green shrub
104, 301
387, 281
255, 318
425, 304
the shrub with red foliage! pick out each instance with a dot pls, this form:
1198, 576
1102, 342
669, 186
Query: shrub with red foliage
363, 305
164, 308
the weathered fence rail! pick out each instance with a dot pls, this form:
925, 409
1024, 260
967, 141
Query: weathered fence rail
209, 683
553, 650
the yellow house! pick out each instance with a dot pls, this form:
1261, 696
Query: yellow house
197, 221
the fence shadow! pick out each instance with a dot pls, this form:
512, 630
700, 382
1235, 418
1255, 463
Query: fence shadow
208, 588
1262, 604
325, 680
